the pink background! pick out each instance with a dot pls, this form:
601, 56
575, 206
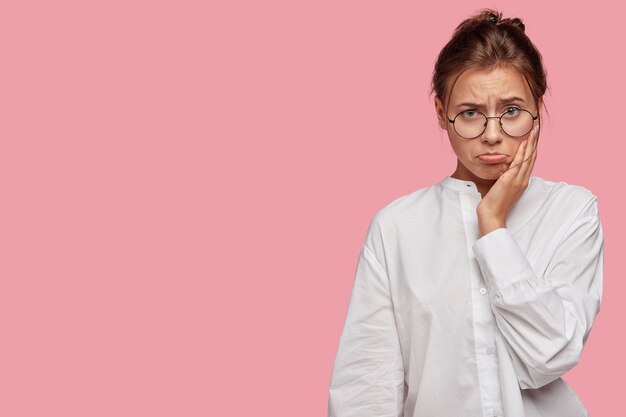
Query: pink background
186, 186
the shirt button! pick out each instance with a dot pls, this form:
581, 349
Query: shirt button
490, 350
483, 290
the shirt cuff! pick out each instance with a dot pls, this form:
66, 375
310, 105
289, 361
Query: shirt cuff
501, 260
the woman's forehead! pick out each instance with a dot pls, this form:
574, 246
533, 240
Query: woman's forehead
497, 85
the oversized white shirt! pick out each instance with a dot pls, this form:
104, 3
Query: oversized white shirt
444, 323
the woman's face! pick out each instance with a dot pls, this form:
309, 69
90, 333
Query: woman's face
485, 90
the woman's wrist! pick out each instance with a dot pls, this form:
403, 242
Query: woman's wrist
488, 224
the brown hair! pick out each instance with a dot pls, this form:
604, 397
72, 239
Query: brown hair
485, 41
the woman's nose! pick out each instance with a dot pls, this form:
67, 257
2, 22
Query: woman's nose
493, 131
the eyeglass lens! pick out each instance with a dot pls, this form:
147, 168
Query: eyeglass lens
515, 122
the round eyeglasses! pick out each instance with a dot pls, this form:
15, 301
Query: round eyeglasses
515, 122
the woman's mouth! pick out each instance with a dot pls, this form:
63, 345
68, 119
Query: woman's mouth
493, 158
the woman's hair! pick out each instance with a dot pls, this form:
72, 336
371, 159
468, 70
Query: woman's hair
485, 41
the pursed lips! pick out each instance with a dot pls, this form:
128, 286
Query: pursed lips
492, 158
492, 153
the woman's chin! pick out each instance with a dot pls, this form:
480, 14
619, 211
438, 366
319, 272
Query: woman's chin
492, 174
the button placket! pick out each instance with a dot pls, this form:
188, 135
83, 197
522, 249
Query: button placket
483, 319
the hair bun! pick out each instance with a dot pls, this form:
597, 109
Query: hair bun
495, 17
517, 22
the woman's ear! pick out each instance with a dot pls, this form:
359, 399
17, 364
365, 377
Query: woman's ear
441, 113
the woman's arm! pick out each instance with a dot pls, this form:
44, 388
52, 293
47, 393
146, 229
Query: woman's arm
368, 372
545, 320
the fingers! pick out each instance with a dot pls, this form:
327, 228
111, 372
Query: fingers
519, 165
530, 155
516, 163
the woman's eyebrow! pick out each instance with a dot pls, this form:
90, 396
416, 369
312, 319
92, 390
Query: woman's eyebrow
501, 101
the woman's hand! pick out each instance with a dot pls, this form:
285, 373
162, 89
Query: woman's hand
495, 206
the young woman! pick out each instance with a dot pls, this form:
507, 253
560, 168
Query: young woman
473, 296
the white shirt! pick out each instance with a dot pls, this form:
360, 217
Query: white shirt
444, 323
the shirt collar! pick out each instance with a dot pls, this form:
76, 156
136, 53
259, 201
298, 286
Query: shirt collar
464, 186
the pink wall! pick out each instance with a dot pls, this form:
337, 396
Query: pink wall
185, 189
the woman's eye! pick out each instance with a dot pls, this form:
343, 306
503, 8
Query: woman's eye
511, 111
469, 113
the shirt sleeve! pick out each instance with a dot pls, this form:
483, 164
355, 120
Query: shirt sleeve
545, 320
368, 373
